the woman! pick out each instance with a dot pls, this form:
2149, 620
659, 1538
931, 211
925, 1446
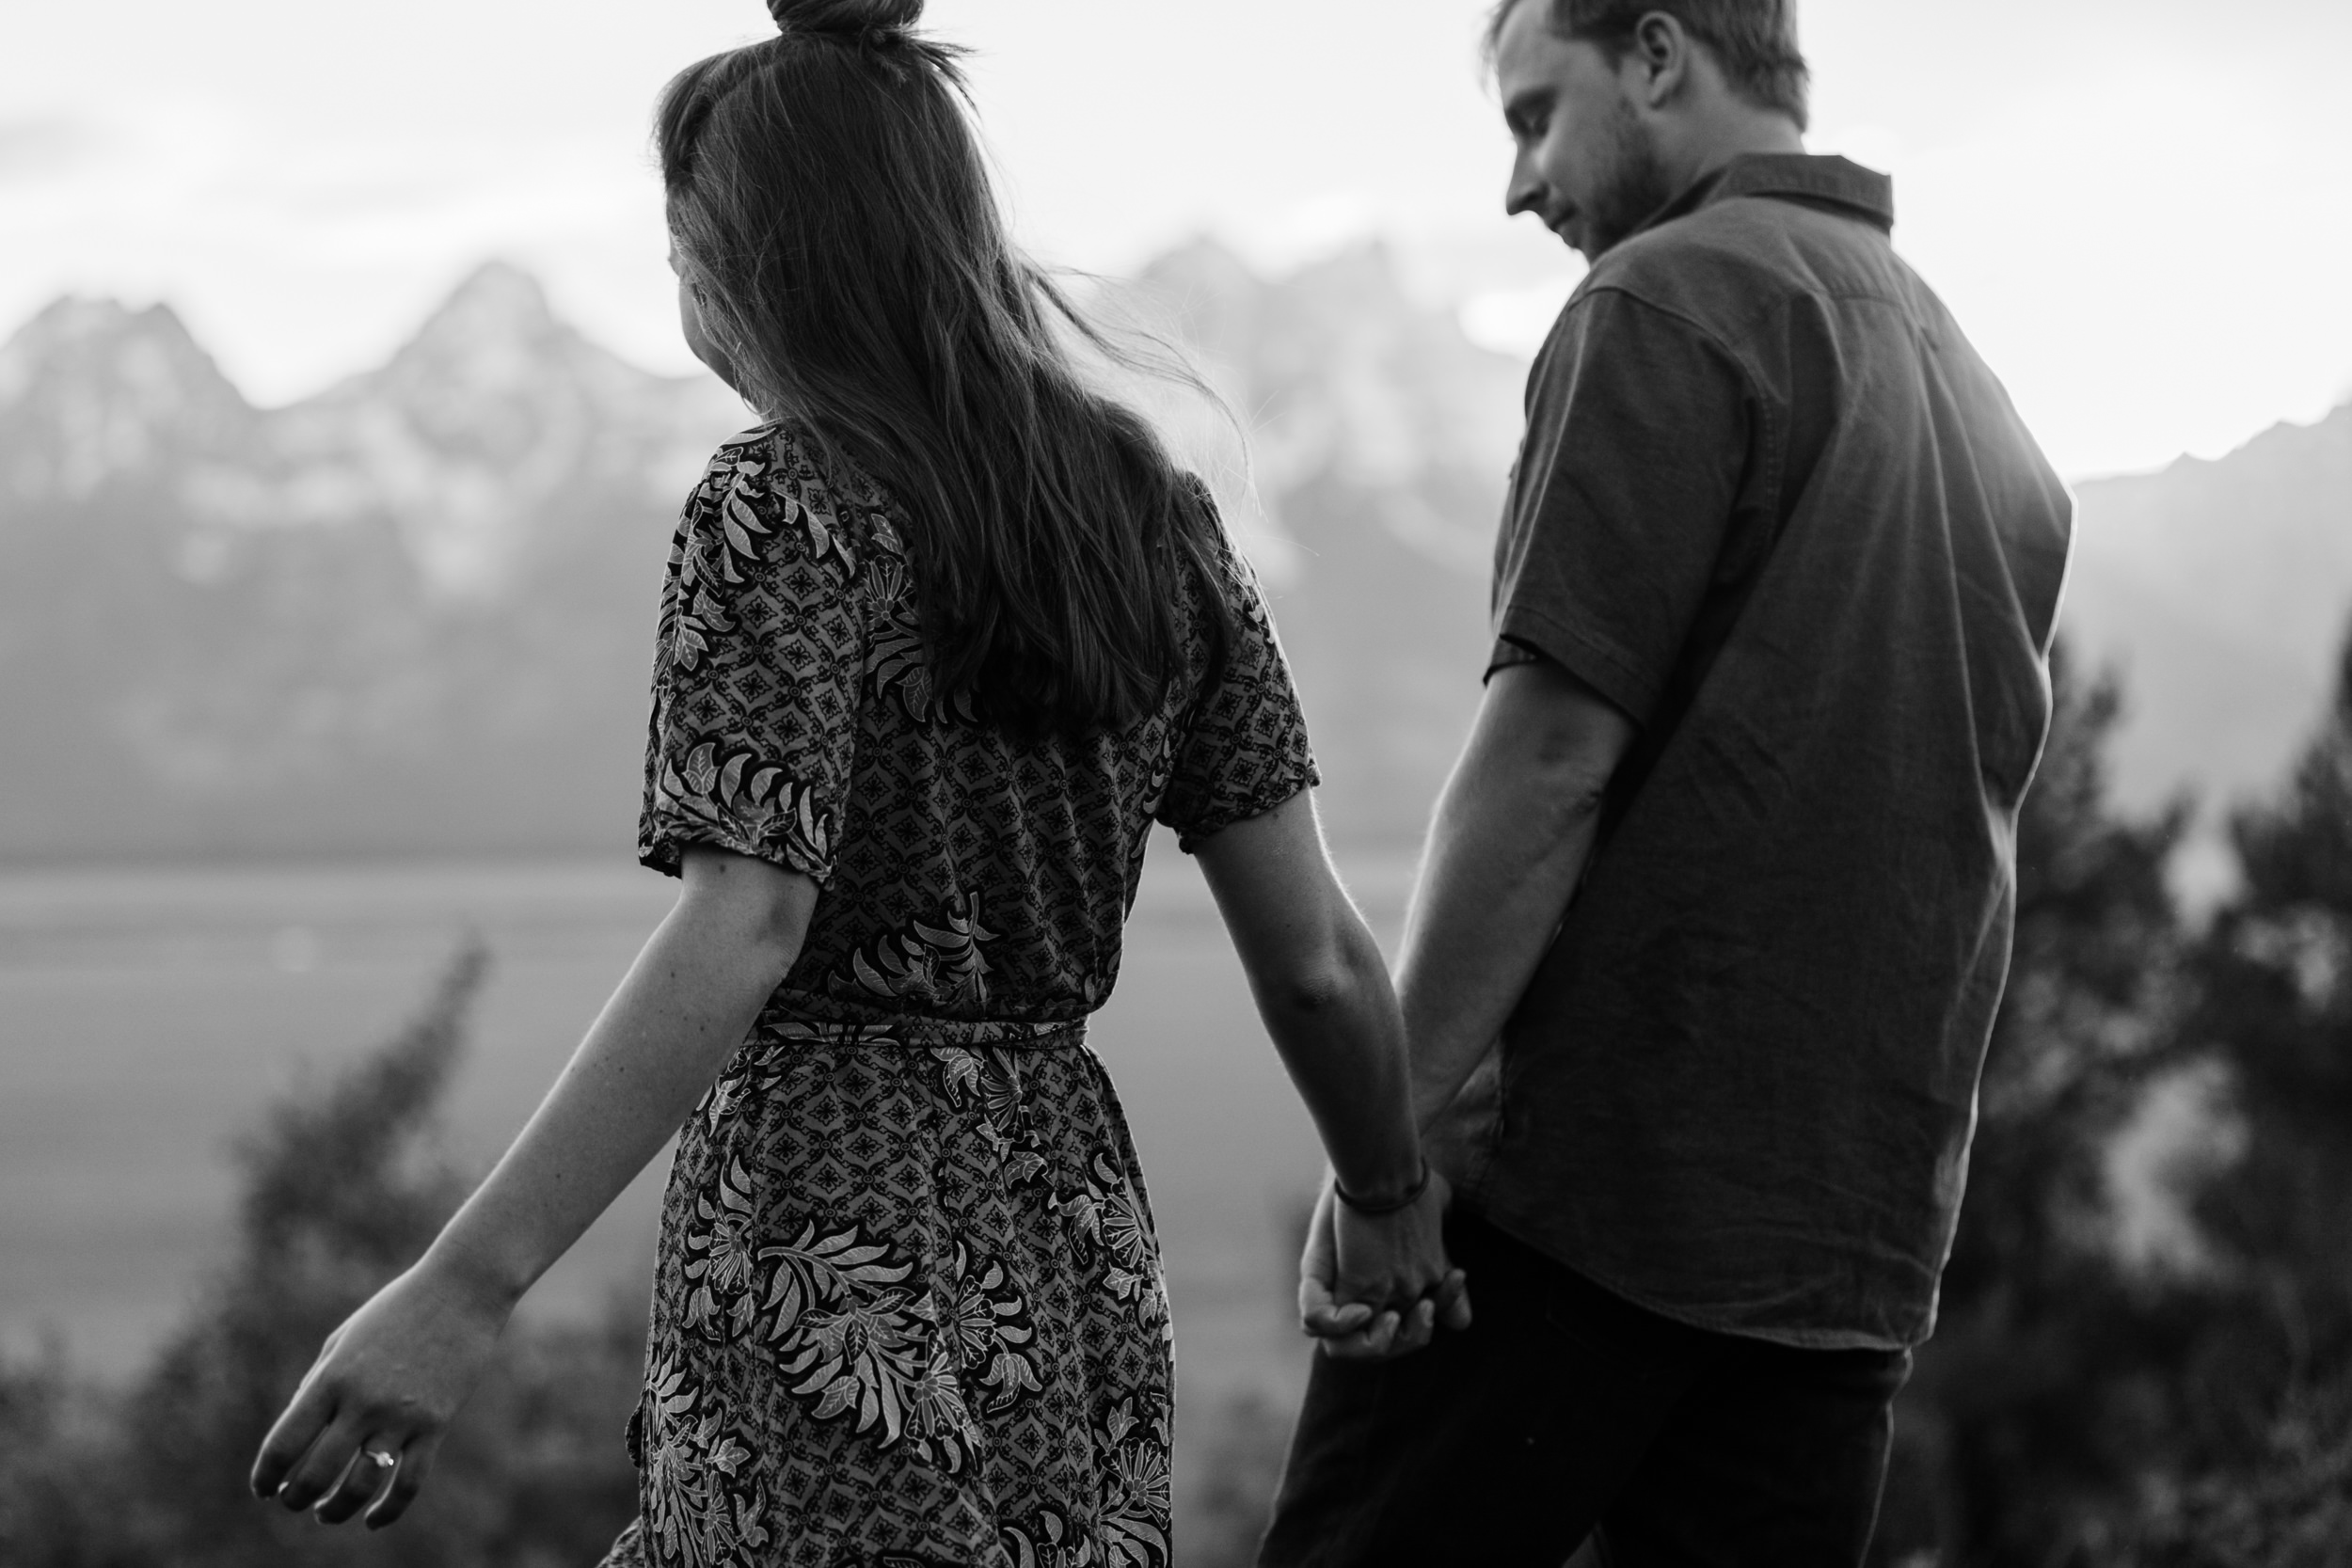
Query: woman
940, 640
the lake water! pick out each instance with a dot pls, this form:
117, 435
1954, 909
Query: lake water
147, 1016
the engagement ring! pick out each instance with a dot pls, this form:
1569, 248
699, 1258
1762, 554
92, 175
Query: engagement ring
384, 1459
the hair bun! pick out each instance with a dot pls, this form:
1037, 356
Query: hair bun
846, 18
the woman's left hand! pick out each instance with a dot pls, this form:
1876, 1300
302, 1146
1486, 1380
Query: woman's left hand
1371, 1286
373, 1409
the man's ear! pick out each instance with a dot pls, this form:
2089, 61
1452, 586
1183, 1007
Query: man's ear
1661, 49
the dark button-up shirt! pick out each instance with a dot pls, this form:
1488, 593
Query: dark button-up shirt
1772, 506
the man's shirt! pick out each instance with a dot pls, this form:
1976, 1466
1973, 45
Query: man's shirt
1772, 506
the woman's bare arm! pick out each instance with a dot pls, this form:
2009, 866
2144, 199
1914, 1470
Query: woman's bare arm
394, 1374
1323, 989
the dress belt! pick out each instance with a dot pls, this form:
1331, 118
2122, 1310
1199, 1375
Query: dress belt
925, 1034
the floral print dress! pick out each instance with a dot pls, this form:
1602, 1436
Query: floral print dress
907, 1307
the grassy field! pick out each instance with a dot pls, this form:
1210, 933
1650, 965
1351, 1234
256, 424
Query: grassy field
147, 1016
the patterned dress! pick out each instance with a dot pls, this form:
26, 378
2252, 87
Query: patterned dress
907, 1307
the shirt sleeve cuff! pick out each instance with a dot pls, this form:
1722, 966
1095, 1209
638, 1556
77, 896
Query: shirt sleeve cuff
1594, 660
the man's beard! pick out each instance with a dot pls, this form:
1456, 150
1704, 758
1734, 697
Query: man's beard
1636, 186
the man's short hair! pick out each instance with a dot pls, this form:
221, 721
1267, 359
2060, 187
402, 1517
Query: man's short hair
1754, 41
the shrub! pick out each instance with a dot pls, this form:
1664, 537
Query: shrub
342, 1190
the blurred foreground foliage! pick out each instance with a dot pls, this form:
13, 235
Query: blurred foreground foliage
343, 1189
2145, 1352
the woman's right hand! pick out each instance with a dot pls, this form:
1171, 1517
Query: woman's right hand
387, 1384
1372, 1286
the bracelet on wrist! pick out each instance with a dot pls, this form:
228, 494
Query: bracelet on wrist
1396, 1205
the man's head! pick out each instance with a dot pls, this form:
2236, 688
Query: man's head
1616, 105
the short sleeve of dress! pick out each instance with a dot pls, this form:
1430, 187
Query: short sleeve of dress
1243, 748
757, 668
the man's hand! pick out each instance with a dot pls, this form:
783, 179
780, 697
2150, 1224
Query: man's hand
1373, 1286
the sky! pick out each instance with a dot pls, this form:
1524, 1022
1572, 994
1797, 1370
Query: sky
2139, 210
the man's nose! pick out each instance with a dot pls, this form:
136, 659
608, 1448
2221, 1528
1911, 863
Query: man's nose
1526, 188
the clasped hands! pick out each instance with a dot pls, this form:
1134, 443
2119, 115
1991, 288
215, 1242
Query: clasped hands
1376, 1286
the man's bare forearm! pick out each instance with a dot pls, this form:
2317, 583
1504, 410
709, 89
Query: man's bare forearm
1507, 847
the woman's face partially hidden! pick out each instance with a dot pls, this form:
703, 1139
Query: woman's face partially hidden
689, 320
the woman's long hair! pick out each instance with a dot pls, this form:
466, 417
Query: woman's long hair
828, 196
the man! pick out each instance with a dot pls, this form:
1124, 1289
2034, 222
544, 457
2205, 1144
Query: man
1726, 866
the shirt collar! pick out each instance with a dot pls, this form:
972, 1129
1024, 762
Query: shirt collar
1819, 181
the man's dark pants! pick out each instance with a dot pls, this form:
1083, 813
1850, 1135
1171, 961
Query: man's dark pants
1566, 1411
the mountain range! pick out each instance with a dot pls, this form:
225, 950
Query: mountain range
411, 611
2218, 591
414, 611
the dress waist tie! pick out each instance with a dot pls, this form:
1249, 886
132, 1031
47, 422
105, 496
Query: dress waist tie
918, 1033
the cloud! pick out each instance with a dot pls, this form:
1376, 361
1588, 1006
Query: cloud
47, 147
2147, 282
1515, 321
